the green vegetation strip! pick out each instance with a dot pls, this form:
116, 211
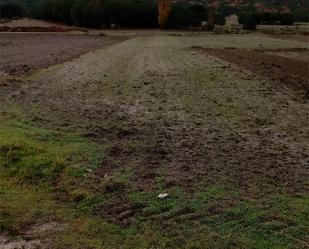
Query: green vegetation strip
49, 175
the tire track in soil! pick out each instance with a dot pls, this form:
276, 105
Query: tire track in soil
164, 110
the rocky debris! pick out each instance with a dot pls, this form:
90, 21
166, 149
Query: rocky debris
44, 228
6, 243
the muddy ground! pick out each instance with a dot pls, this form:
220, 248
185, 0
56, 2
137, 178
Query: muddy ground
228, 117
191, 113
23, 53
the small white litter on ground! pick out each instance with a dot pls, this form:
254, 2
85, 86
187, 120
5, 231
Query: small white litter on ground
163, 196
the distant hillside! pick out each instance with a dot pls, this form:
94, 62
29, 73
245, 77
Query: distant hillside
263, 5
299, 8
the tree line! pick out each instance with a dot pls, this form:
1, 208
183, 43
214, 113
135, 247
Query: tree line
100, 13
137, 13
103, 13
250, 20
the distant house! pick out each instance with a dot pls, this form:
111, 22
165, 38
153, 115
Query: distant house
231, 21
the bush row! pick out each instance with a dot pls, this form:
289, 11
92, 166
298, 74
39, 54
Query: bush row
9, 10
135, 13
250, 20
107, 13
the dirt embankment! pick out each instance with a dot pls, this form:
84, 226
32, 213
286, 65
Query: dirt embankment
35, 29
290, 68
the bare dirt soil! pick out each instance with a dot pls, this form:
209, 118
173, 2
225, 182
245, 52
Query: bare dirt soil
22, 53
28, 22
295, 37
300, 55
172, 115
34, 29
7, 243
289, 67
193, 115
34, 25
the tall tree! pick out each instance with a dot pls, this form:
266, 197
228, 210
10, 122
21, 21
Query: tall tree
164, 7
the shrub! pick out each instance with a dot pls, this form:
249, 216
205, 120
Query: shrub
274, 18
286, 19
248, 20
220, 19
180, 15
9, 10
301, 15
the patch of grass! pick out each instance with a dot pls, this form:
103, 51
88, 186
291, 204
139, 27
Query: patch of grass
221, 218
37, 156
48, 175
32, 156
21, 205
44, 174
87, 232
273, 224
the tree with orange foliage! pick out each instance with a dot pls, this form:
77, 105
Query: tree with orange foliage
164, 7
